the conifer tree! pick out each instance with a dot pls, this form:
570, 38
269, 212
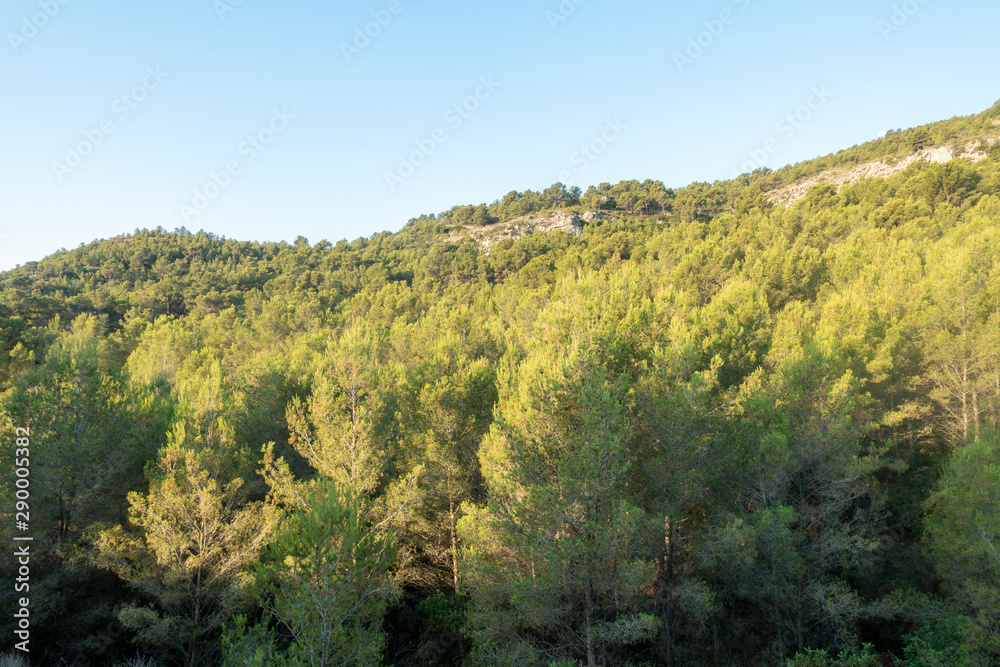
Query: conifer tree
189, 552
555, 568
325, 577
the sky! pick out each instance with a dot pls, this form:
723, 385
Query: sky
260, 120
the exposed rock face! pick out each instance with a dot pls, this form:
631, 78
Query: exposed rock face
518, 228
563, 222
590, 216
880, 169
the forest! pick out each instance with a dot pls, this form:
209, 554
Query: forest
712, 430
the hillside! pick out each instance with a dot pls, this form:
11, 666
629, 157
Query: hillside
752, 422
974, 151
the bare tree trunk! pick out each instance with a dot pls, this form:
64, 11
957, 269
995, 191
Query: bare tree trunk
965, 402
799, 638
591, 648
781, 638
454, 545
193, 662
669, 576
193, 659
975, 413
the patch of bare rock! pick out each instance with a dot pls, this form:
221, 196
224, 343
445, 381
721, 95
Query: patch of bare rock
569, 223
840, 176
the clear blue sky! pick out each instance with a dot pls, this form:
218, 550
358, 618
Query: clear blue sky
224, 68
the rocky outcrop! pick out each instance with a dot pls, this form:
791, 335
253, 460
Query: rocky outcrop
561, 222
881, 169
567, 223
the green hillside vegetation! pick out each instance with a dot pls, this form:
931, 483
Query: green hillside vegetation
708, 431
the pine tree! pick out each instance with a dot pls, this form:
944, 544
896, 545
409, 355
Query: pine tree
963, 537
189, 554
339, 429
553, 560
325, 577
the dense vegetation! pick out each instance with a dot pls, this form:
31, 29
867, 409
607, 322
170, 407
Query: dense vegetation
709, 431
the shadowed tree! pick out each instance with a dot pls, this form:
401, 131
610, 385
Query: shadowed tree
325, 577
190, 553
553, 560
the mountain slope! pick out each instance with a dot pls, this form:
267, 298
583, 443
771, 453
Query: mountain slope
728, 414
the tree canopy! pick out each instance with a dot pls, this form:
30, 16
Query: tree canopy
710, 429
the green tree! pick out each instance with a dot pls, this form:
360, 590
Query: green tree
675, 424
190, 556
91, 432
951, 183
82, 417
808, 484
338, 428
450, 417
325, 577
963, 537
553, 562
962, 337
736, 326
